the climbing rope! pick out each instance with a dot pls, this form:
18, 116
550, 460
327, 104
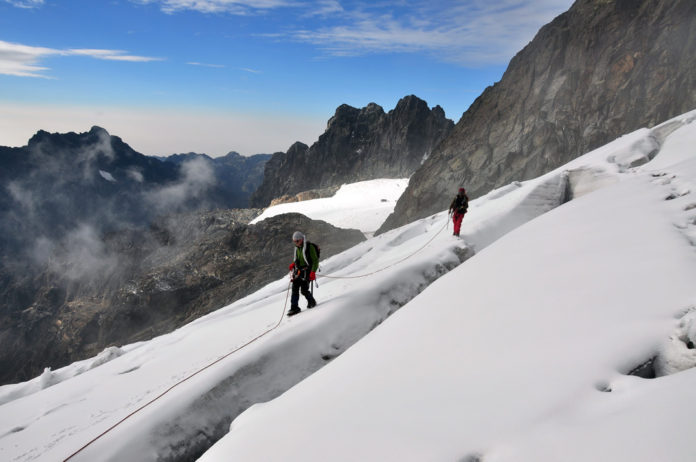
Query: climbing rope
287, 293
393, 264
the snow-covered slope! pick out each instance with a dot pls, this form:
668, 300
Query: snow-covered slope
520, 353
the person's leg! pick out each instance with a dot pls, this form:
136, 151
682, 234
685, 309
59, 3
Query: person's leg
457, 218
295, 296
304, 287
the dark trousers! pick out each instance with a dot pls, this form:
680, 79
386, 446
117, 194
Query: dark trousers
300, 283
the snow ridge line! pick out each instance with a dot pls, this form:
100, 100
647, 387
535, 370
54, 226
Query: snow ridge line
287, 294
393, 264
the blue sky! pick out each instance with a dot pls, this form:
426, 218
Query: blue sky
251, 76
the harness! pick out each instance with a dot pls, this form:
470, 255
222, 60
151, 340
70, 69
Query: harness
302, 271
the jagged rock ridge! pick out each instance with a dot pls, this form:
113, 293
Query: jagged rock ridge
602, 69
358, 144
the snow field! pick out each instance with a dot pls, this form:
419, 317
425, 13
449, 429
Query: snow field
521, 354
363, 205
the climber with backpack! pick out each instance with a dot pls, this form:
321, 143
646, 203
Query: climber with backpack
458, 208
304, 268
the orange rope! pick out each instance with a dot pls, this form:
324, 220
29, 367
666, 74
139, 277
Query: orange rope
393, 264
183, 380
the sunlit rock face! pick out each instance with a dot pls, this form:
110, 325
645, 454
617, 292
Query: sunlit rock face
598, 71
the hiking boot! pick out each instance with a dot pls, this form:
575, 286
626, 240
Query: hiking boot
294, 310
311, 304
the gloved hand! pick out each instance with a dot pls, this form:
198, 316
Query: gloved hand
291, 267
312, 276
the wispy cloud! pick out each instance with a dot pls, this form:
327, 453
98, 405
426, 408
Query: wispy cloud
325, 8
110, 55
216, 66
251, 71
475, 32
24, 61
237, 7
470, 33
25, 3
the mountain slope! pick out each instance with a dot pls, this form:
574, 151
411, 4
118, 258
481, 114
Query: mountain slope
540, 319
529, 351
602, 69
380, 280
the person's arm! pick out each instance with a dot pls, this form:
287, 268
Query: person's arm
314, 257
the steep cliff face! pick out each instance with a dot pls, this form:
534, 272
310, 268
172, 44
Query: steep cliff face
602, 69
358, 144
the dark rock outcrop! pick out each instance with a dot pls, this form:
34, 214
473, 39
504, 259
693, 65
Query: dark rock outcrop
602, 69
145, 282
358, 144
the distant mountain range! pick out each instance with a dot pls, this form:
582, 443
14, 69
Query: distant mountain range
61, 181
81, 217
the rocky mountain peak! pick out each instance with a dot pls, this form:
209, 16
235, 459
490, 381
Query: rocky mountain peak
358, 144
98, 131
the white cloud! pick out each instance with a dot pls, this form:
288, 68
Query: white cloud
475, 33
196, 177
23, 60
26, 3
237, 7
326, 8
111, 55
216, 66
